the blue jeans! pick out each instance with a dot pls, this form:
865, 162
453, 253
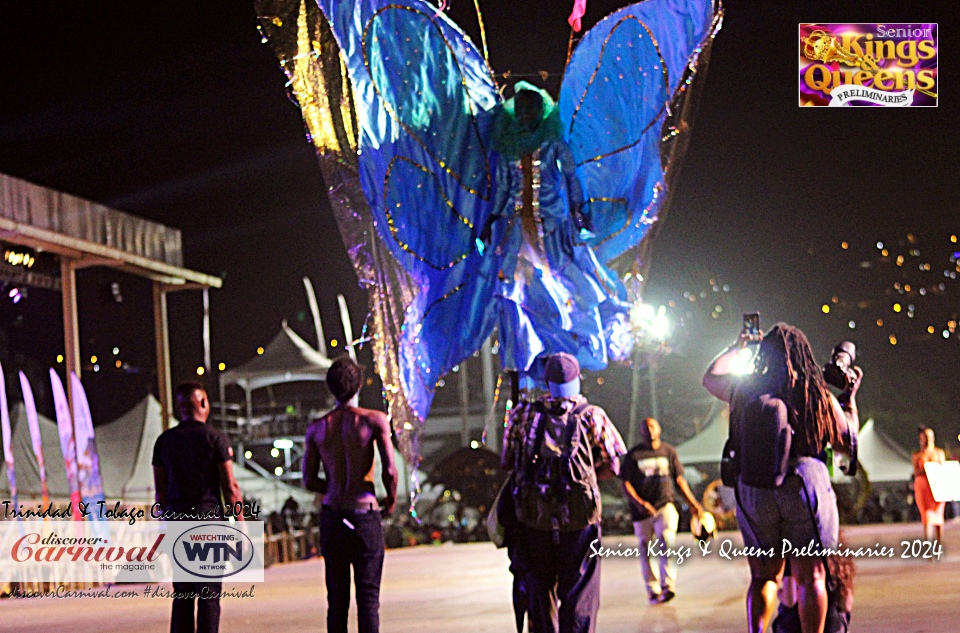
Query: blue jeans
563, 571
350, 538
208, 609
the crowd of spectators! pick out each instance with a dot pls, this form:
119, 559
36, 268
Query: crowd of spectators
447, 521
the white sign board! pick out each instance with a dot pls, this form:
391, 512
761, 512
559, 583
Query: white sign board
944, 480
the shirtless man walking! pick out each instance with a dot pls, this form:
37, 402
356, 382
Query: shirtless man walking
350, 530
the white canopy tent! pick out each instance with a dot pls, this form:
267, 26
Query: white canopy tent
705, 447
287, 358
883, 459
125, 447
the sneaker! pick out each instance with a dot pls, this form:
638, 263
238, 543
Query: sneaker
667, 596
655, 598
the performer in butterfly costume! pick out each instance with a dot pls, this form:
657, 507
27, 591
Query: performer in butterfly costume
456, 220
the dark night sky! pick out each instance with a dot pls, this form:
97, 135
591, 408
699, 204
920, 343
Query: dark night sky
177, 112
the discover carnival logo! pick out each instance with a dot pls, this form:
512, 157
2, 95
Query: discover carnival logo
213, 550
121, 552
867, 65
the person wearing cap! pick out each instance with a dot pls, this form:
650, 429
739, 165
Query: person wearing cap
650, 474
561, 519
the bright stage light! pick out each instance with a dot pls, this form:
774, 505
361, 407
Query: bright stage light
247, 454
743, 362
200, 371
282, 443
222, 366
274, 452
278, 471
660, 327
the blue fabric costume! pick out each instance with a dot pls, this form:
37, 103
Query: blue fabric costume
554, 295
433, 173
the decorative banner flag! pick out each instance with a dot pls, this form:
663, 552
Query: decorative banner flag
67, 445
88, 461
579, 9
7, 448
34, 424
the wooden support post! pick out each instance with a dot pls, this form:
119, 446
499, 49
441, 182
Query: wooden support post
71, 330
162, 335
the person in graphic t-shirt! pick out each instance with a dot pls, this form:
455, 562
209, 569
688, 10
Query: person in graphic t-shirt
650, 474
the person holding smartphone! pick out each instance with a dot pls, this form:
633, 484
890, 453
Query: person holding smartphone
787, 387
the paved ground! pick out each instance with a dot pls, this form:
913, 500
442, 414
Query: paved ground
465, 588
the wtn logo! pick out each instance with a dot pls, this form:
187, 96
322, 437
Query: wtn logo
221, 551
215, 551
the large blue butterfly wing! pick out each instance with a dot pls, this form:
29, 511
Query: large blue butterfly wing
614, 100
425, 101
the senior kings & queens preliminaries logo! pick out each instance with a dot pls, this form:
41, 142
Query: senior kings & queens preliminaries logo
868, 64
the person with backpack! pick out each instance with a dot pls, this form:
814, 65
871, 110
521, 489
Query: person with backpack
651, 474
557, 448
782, 419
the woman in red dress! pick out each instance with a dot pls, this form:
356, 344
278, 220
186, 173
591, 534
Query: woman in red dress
931, 512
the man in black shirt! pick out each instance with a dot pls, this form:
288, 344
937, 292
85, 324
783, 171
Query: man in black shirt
649, 472
192, 465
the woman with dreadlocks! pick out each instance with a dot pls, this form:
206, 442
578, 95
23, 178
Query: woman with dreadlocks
785, 391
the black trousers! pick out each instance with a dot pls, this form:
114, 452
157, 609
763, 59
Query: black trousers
562, 571
207, 609
352, 539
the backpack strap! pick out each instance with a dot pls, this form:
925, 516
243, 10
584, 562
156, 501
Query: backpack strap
572, 438
540, 429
